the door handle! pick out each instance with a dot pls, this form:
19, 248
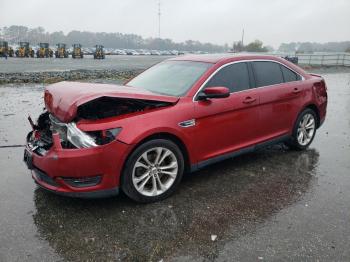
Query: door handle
249, 100
296, 90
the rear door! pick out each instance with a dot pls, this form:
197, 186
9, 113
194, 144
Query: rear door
228, 124
280, 92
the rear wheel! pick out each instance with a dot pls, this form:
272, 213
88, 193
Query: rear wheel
153, 171
304, 130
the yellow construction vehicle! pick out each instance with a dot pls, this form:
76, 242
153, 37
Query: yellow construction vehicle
24, 50
99, 53
5, 50
77, 52
61, 51
44, 51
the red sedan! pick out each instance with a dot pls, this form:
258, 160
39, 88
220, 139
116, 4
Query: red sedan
178, 116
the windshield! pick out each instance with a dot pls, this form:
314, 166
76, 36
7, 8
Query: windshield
173, 78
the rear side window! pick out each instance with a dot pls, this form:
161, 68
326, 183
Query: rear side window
289, 75
235, 77
267, 73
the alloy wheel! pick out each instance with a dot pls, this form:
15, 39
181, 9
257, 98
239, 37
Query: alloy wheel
306, 129
155, 171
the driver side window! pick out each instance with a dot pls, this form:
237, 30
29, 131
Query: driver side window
235, 77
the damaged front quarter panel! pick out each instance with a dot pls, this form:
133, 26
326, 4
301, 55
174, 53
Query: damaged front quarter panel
78, 113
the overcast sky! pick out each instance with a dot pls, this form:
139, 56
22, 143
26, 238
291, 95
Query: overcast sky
216, 21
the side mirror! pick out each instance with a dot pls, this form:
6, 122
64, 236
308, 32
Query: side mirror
214, 92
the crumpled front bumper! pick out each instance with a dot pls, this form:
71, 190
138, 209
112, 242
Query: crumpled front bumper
50, 170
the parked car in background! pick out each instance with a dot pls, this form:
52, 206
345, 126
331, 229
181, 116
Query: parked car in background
178, 116
132, 52
165, 52
140, 52
154, 52
118, 52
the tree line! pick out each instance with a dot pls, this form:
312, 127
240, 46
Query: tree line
255, 46
14, 34
310, 47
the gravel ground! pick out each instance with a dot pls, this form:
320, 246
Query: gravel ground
51, 70
272, 205
122, 62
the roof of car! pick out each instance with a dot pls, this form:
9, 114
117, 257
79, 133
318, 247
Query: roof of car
215, 58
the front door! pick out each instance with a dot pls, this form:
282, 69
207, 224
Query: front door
227, 124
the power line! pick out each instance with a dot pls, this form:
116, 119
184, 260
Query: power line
242, 37
159, 14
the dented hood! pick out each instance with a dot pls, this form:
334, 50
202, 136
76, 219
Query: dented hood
63, 99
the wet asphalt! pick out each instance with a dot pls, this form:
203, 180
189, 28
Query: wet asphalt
271, 205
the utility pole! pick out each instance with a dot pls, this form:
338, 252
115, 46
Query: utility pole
242, 37
159, 19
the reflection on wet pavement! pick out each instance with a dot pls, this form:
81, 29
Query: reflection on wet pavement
228, 200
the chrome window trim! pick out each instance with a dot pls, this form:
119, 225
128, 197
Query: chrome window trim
245, 61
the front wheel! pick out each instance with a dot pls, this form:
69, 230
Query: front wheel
153, 171
304, 130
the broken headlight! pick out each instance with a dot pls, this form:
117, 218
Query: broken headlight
71, 134
105, 136
82, 139
79, 138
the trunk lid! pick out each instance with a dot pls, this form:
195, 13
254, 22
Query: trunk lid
63, 99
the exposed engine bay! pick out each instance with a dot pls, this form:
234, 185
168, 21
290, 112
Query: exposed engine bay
40, 139
110, 106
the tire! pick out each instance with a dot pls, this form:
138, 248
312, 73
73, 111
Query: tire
136, 167
299, 130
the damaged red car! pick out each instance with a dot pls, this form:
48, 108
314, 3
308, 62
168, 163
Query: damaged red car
178, 116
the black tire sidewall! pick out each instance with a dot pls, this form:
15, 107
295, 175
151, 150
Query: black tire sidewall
294, 142
126, 179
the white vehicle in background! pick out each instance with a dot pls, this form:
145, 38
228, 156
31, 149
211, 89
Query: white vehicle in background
108, 51
141, 52
70, 50
116, 52
165, 52
155, 52
133, 52
35, 48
